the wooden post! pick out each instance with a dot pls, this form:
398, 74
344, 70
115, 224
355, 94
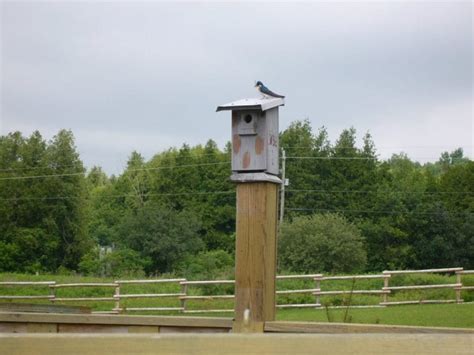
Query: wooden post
52, 292
184, 289
458, 290
318, 286
385, 284
255, 255
255, 168
117, 299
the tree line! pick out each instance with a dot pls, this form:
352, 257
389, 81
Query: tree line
175, 213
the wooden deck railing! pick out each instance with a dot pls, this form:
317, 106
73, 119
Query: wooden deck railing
185, 294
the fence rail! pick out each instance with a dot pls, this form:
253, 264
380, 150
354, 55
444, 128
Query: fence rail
185, 294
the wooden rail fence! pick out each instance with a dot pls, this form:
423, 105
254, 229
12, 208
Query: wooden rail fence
184, 295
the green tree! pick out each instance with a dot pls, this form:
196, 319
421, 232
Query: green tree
321, 243
42, 202
162, 235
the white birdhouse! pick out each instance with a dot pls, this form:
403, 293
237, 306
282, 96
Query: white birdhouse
255, 147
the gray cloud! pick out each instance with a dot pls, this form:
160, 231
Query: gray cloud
149, 75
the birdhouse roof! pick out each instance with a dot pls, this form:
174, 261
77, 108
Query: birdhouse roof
252, 104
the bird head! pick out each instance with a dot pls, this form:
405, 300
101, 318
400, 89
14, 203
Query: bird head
258, 83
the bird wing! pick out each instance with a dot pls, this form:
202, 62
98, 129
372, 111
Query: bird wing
267, 91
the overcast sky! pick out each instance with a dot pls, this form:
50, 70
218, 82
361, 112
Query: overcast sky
148, 75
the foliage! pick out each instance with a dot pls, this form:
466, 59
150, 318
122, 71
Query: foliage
42, 219
321, 243
207, 265
161, 234
104, 262
179, 203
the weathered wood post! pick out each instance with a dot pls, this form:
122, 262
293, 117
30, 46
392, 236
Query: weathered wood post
255, 169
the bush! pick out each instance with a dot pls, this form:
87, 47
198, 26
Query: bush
114, 263
207, 265
321, 243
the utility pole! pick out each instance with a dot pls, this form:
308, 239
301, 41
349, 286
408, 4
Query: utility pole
282, 190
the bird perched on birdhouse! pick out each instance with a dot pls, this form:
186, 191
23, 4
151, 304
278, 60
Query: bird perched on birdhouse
266, 92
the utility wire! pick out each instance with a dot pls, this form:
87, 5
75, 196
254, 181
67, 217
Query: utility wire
232, 192
381, 191
184, 166
334, 158
128, 170
355, 158
377, 212
198, 155
197, 193
165, 157
38, 167
376, 146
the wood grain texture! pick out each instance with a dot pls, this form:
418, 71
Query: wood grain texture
118, 344
205, 322
42, 308
92, 328
193, 330
143, 329
255, 255
42, 328
251, 327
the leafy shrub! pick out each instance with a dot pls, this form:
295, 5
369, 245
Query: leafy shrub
321, 243
209, 265
120, 262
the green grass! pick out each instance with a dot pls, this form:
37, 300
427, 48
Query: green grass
439, 315
448, 315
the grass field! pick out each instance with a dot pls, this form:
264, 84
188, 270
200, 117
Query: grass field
448, 315
439, 315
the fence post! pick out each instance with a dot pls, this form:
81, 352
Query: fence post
184, 289
458, 289
318, 286
385, 285
117, 298
52, 292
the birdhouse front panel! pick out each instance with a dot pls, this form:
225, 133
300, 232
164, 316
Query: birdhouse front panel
255, 141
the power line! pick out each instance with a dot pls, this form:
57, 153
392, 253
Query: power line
197, 193
40, 176
38, 167
128, 170
381, 191
376, 146
334, 158
175, 157
229, 192
377, 212
187, 166
358, 158
175, 151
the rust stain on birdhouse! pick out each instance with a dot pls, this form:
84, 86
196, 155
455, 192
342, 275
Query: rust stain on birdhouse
246, 160
258, 145
236, 142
